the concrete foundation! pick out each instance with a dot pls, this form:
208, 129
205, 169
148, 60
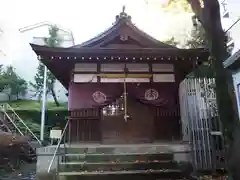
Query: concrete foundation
181, 153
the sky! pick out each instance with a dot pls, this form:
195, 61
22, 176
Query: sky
86, 18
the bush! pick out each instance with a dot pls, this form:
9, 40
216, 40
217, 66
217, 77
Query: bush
50, 119
32, 119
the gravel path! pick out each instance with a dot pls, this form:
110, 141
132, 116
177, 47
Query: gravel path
26, 172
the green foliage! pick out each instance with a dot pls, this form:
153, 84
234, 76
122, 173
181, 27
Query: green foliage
179, 6
31, 124
172, 6
30, 112
34, 116
38, 84
9, 79
198, 38
3, 82
54, 40
171, 41
35, 105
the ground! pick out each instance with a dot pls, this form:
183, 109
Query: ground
27, 171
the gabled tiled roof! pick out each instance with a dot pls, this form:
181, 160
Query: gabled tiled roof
123, 22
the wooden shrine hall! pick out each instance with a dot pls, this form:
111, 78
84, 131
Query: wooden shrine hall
122, 85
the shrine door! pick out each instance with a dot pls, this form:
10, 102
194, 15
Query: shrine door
137, 129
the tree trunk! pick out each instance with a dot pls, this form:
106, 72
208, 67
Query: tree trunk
9, 97
224, 82
39, 98
209, 16
55, 97
225, 101
17, 96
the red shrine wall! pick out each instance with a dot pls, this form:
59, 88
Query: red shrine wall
152, 119
75, 94
81, 95
90, 95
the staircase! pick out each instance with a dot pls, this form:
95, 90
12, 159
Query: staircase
121, 165
101, 161
10, 122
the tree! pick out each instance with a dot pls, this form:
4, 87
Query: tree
176, 6
208, 14
172, 41
38, 84
3, 81
54, 40
198, 38
16, 85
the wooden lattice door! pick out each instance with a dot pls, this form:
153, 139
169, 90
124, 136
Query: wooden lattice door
137, 129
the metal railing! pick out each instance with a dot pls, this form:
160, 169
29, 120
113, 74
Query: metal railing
12, 122
3, 125
58, 146
4, 108
200, 123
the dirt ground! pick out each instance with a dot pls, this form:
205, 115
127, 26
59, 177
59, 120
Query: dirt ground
26, 172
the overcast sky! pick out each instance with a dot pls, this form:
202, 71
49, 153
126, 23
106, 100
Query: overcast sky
86, 18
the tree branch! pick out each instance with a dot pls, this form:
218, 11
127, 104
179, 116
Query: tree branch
196, 7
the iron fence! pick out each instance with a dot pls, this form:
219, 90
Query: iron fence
200, 123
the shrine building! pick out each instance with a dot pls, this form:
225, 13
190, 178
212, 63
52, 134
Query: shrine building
122, 85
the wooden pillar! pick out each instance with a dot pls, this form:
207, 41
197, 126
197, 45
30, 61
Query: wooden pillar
179, 77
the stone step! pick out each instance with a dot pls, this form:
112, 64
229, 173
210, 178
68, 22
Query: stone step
136, 174
113, 166
123, 148
121, 157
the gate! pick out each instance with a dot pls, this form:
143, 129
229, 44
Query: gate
200, 123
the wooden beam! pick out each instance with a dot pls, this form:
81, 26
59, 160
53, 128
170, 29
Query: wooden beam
170, 72
123, 75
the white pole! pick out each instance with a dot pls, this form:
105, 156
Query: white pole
125, 99
125, 96
43, 104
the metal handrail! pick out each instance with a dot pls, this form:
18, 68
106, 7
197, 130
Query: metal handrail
10, 119
3, 123
20, 119
58, 145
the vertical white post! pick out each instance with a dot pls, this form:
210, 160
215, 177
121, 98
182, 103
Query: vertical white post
43, 104
125, 99
125, 94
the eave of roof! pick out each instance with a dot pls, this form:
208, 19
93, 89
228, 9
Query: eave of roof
108, 51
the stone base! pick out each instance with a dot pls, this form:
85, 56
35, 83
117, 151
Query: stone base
180, 151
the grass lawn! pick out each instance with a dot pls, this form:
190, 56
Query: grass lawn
35, 105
